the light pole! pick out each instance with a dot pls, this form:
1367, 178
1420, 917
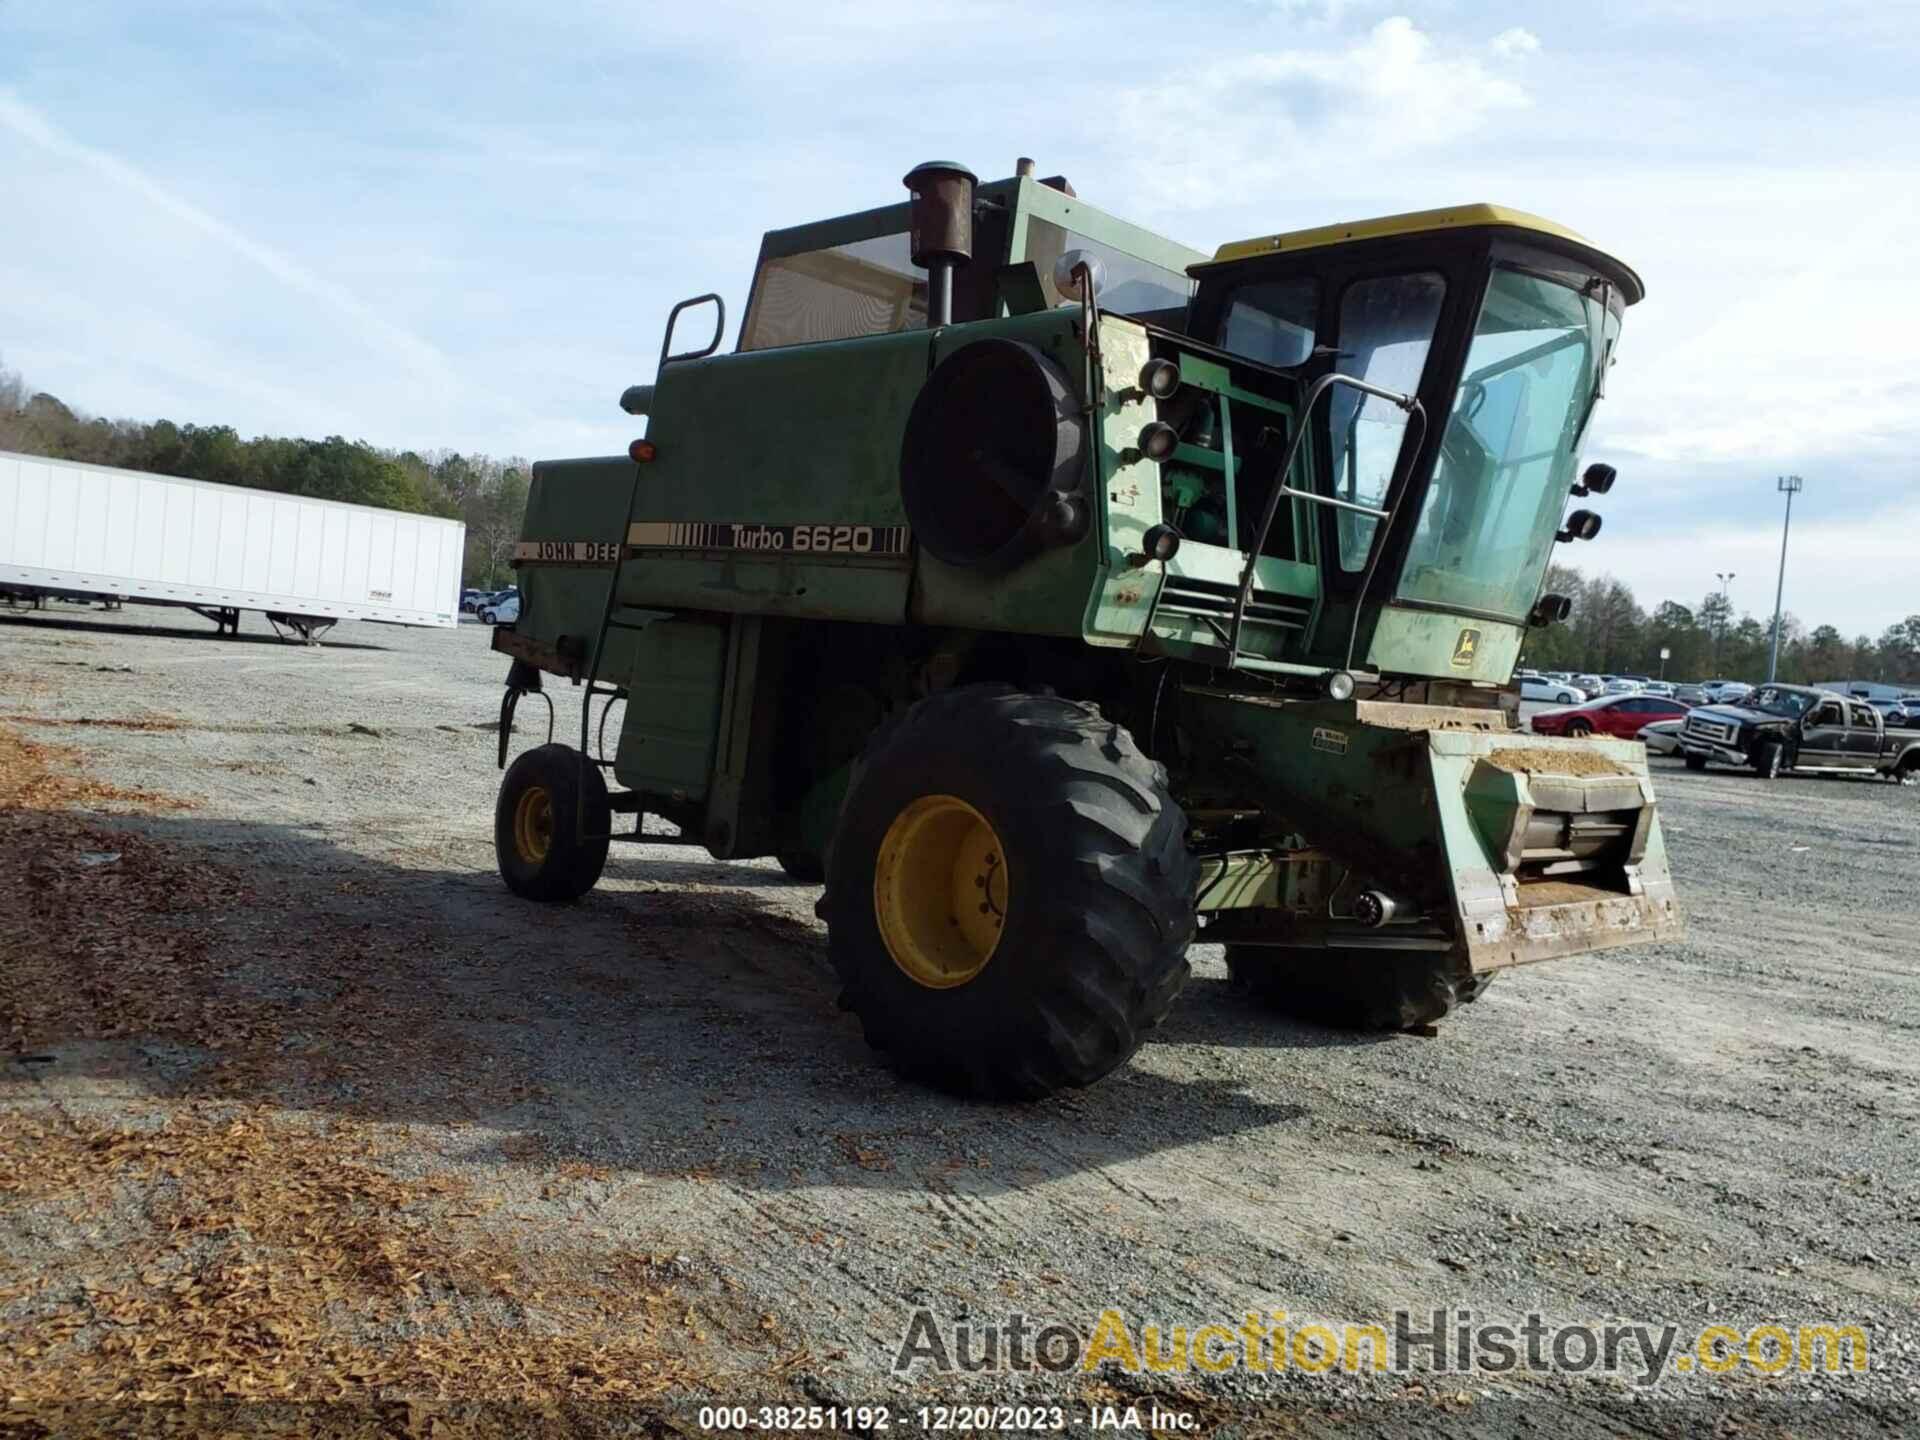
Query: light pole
1789, 486
1726, 612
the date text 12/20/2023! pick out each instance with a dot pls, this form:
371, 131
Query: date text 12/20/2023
936, 1419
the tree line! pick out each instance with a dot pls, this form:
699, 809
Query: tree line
489, 495
1609, 633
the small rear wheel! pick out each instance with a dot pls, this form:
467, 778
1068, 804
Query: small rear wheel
1696, 762
549, 833
1353, 989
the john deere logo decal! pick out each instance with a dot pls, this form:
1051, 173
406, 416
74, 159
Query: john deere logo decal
1465, 649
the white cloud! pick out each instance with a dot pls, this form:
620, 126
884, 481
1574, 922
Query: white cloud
1515, 44
1776, 336
421, 361
1321, 13
1215, 129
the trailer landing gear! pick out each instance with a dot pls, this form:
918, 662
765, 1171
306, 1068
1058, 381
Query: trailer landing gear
308, 627
226, 619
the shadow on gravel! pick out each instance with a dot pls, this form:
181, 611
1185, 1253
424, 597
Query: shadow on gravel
676, 1032
89, 626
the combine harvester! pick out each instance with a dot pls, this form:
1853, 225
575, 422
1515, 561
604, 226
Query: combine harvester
87, 532
1060, 595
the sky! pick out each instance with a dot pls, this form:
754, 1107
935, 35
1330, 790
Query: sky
462, 225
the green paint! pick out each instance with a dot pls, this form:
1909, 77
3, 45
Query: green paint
757, 672
1426, 642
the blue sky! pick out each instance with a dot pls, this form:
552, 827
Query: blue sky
462, 225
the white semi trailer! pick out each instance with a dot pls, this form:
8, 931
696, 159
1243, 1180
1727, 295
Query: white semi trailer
91, 532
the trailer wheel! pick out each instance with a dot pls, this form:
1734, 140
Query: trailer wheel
1010, 893
536, 825
1353, 989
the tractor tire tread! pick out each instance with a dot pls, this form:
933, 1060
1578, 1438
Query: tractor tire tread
572, 866
1104, 957
1353, 990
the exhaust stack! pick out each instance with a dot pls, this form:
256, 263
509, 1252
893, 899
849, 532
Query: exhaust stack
941, 230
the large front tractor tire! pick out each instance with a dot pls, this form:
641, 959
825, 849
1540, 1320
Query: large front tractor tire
1353, 989
1010, 896
538, 822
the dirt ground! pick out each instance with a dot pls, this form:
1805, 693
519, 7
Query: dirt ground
300, 1105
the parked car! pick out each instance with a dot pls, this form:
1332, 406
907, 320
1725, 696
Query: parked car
1623, 716
1720, 692
1658, 687
1662, 737
1899, 714
1620, 685
1553, 692
1782, 728
1589, 683
501, 612
470, 600
1690, 694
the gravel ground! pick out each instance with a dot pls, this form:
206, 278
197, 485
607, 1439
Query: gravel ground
1719, 1131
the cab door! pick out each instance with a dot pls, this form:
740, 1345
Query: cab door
1863, 734
1823, 734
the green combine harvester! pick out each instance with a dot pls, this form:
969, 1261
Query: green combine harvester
1060, 596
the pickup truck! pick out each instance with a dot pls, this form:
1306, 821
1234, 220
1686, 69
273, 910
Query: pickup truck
1782, 728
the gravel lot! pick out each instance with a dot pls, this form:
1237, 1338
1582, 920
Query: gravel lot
630, 1151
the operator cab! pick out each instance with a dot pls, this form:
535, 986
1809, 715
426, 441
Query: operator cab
1424, 522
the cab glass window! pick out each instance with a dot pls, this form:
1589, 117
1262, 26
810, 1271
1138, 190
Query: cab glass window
1863, 715
1131, 286
1272, 321
1507, 456
865, 287
1386, 329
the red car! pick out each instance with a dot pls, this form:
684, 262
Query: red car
1621, 715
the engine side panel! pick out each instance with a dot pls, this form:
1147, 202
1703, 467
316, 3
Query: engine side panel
775, 488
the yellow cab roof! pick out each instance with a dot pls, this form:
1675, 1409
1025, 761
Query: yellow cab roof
1418, 222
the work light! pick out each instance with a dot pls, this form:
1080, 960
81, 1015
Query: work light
1158, 440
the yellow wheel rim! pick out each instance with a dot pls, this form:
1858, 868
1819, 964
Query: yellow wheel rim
940, 891
533, 824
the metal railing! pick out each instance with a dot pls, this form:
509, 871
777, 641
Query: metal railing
1282, 490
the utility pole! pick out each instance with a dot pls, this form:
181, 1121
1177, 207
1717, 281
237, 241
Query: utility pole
1726, 613
1789, 486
